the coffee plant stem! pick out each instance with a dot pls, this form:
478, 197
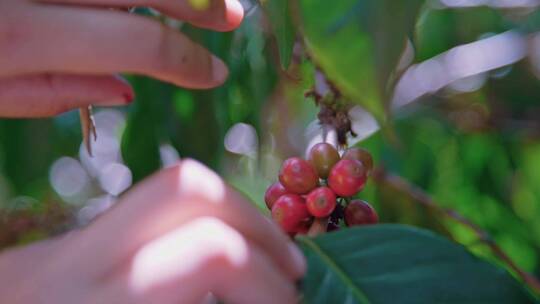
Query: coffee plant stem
318, 227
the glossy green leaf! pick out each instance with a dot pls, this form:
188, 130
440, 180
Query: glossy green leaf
401, 264
358, 43
280, 19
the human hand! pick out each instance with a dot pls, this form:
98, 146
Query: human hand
177, 236
56, 55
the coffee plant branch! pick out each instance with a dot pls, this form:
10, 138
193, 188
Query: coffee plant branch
399, 184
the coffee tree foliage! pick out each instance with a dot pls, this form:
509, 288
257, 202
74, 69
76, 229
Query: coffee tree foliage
444, 96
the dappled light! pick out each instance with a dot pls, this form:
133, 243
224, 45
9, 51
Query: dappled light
242, 139
94, 207
460, 67
115, 178
169, 156
68, 178
494, 3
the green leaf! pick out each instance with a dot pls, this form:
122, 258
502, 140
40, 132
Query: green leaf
358, 43
531, 24
401, 264
439, 30
280, 19
140, 142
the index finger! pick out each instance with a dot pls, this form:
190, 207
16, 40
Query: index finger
90, 41
175, 196
219, 15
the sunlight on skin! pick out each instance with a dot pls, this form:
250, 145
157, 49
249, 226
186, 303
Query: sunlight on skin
198, 181
168, 258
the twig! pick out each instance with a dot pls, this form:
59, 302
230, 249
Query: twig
401, 185
318, 227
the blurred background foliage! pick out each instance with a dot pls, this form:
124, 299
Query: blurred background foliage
463, 122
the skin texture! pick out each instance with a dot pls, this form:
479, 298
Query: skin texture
180, 234
138, 252
82, 46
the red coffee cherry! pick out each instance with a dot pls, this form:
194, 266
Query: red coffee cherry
360, 155
298, 176
303, 228
321, 202
360, 213
275, 191
289, 211
323, 157
347, 177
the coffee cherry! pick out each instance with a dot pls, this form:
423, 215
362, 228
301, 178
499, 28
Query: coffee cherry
360, 155
360, 213
321, 202
298, 176
275, 191
303, 228
323, 157
289, 211
347, 177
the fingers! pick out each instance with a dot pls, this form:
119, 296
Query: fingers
92, 41
220, 15
175, 196
198, 257
48, 95
20, 261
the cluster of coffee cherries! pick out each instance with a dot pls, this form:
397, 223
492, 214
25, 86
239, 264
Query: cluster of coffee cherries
321, 187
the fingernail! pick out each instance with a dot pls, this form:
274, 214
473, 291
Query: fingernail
219, 70
128, 97
124, 99
129, 93
235, 13
298, 259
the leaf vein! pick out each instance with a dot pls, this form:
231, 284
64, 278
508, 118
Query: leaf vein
358, 294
